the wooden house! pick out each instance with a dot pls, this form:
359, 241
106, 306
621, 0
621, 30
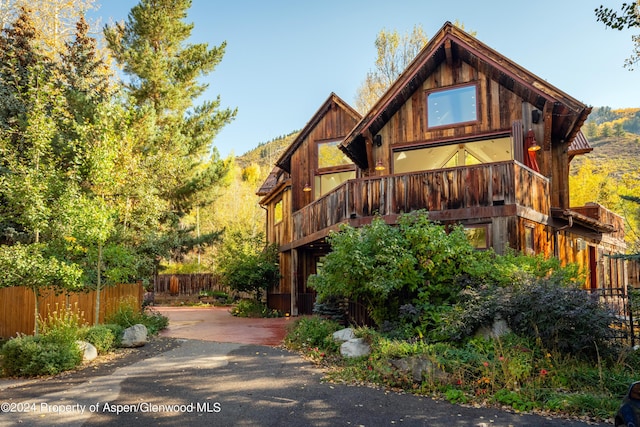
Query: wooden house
464, 133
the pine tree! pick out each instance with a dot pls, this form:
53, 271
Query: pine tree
151, 47
163, 72
86, 82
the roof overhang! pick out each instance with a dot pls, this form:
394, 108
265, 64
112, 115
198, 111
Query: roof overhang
576, 218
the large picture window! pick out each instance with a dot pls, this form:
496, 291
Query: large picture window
449, 156
452, 106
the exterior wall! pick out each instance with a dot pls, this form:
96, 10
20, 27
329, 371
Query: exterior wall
334, 125
498, 108
280, 232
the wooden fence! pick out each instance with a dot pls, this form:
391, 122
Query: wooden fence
17, 305
189, 286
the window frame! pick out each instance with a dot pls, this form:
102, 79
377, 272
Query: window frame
279, 203
452, 88
335, 168
487, 239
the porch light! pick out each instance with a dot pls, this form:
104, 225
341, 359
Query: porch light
380, 166
534, 146
306, 188
530, 141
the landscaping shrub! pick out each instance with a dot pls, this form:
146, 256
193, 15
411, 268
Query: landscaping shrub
253, 308
61, 325
313, 332
36, 355
103, 337
128, 314
53, 351
566, 319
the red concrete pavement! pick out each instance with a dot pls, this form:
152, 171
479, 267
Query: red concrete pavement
217, 324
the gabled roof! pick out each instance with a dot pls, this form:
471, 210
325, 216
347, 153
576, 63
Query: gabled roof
284, 162
450, 44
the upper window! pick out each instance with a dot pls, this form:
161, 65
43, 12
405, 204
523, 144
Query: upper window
451, 106
334, 168
329, 155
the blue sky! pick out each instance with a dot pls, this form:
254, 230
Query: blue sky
284, 58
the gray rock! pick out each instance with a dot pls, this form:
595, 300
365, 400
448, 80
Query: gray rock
497, 329
355, 347
344, 335
134, 336
89, 351
420, 368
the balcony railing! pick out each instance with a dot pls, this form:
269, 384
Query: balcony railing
486, 185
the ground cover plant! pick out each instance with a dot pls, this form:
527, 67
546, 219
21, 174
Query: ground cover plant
435, 302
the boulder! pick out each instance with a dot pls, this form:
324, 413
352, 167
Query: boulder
420, 368
89, 351
134, 336
344, 335
355, 347
497, 329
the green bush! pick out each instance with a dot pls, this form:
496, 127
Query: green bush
33, 356
253, 308
103, 337
313, 332
128, 314
61, 325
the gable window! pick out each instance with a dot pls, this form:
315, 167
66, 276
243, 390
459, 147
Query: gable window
449, 156
452, 106
329, 155
333, 168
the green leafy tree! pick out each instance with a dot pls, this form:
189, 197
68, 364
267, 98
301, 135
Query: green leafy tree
249, 266
29, 103
394, 53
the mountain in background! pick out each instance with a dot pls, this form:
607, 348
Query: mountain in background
615, 138
266, 154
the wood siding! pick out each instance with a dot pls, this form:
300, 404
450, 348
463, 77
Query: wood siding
334, 125
497, 108
17, 305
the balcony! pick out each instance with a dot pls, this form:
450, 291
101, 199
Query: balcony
478, 190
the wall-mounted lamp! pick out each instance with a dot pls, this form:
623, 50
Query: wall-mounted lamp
378, 140
534, 146
380, 166
535, 116
530, 141
306, 188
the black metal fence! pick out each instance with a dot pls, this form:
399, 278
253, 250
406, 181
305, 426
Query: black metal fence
619, 301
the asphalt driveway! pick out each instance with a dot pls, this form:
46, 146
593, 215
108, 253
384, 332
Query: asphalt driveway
179, 380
